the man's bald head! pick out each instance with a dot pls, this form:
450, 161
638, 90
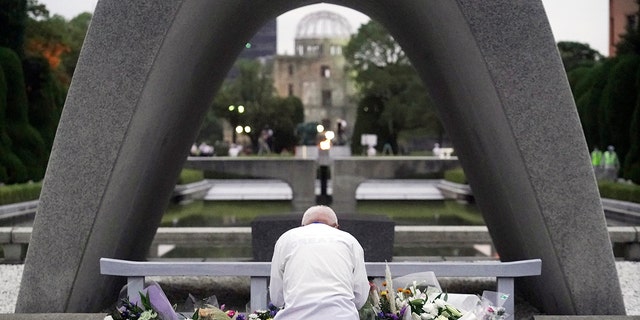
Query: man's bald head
322, 214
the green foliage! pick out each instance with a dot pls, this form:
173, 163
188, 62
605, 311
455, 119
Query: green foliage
368, 112
455, 175
620, 99
608, 189
253, 89
575, 55
190, 175
13, 19
393, 98
607, 100
76, 32
45, 96
631, 164
20, 192
27, 144
619, 191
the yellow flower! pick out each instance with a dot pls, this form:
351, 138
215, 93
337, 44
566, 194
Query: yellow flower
383, 293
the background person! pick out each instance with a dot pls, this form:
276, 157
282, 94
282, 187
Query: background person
611, 164
318, 271
596, 162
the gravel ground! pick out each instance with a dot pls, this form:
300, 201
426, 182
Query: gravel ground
629, 273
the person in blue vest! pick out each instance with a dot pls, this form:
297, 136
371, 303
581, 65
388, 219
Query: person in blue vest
611, 164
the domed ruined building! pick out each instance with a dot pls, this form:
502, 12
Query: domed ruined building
316, 72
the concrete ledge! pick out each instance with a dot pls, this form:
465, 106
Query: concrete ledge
5, 234
404, 236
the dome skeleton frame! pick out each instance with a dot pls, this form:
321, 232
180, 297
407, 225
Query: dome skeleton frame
323, 24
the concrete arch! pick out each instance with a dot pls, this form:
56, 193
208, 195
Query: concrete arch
149, 68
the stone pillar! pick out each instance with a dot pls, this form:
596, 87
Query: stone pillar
493, 70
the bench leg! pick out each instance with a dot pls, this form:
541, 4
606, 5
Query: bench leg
632, 251
506, 285
259, 293
13, 252
135, 285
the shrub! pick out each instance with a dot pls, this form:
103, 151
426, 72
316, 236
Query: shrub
20, 192
609, 190
190, 175
27, 144
455, 175
619, 191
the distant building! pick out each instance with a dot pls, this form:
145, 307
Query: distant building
316, 72
263, 46
622, 13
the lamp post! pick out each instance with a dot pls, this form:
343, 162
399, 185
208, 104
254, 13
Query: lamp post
323, 161
234, 118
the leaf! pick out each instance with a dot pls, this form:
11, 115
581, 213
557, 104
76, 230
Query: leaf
146, 302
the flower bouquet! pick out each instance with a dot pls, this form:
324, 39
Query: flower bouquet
490, 306
422, 299
413, 302
153, 304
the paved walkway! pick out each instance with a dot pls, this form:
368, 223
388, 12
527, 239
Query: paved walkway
268, 189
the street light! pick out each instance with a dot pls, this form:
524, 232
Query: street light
236, 112
324, 161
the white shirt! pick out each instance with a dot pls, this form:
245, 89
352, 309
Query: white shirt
318, 272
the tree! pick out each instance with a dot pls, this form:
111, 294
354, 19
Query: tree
261, 108
27, 143
606, 95
13, 19
393, 99
76, 32
12, 170
575, 54
621, 96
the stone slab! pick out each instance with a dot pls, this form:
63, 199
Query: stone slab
378, 245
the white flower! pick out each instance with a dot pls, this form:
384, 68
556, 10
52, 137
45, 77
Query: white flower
431, 309
108, 318
440, 303
253, 316
427, 316
148, 315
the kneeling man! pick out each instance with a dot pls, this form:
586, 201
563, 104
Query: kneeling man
317, 271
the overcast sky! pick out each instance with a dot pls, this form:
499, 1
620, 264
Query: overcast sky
584, 21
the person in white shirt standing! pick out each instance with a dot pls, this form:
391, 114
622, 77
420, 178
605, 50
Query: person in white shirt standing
318, 271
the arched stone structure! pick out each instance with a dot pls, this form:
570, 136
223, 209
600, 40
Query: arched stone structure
149, 69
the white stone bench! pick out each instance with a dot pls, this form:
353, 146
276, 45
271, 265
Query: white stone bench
136, 271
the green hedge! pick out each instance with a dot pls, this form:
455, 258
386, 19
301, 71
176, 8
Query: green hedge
619, 191
190, 175
608, 190
455, 175
20, 192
